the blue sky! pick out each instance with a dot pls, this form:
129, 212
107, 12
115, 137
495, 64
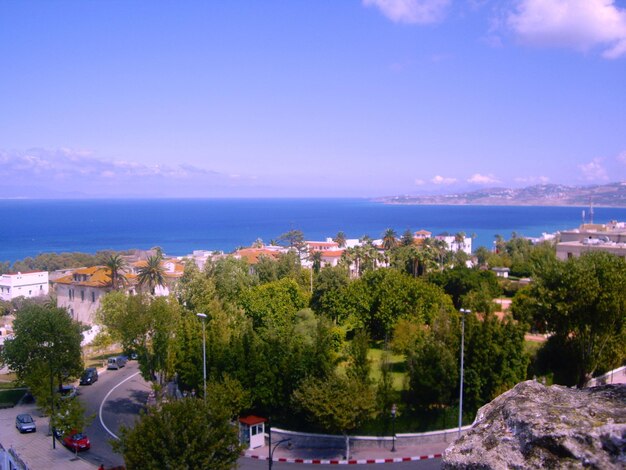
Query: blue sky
309, 98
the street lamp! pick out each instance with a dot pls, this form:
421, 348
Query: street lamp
49, 345
394, 410
463, 313
203, 317
271, 449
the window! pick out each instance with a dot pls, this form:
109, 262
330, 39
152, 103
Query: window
569, 255
82, 295
93, 296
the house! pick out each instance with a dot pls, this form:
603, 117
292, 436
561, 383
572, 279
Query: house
501, 272
80, 290
454, 245
610, 238
252, 255
27, 284
422, 234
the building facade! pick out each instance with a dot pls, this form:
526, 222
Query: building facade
31, 284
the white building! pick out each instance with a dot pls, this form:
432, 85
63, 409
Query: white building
453, 245
610, 238
32, 284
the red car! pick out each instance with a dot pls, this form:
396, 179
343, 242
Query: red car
76, 441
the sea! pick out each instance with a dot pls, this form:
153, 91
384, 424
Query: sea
180, 226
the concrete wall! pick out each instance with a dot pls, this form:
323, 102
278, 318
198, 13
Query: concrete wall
330, 441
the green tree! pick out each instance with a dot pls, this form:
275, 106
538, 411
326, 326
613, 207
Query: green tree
433, 373
495, 359
274, 304
328, 292
231, 277
358, 362
582, 302
337, 404
185, 433
293, 239
45, 350
407, 238
152, 273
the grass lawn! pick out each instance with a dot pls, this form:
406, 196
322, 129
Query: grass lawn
397, 363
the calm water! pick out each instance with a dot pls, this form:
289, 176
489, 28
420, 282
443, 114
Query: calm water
29, 227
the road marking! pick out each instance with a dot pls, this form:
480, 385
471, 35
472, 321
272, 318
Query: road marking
105, 399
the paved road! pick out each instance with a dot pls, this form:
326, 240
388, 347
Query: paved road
117, 397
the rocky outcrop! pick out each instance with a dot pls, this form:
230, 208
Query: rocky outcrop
534, 426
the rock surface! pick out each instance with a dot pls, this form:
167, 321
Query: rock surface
534, 426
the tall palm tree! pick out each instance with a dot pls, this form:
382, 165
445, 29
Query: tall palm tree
390, 239
340, 239
152, 274
117, 267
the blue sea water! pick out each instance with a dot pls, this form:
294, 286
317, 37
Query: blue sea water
179, 226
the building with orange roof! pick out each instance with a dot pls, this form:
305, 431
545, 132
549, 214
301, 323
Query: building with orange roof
80, 290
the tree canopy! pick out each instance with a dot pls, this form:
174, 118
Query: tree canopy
582, 302
45, 339
185, 434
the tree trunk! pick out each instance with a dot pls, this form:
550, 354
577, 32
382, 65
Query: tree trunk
347, 446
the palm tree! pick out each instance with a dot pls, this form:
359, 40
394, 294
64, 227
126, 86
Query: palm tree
152, 274
117, 268
340, 239
390, 239
459, 239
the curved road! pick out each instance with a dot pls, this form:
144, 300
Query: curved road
119, 395
114, 400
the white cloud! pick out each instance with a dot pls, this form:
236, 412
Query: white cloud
577, 24
64, 163
622, 157
441, 180
411, 11
477, 178
594, 170
419, 182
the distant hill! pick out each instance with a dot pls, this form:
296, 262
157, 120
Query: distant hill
608, 195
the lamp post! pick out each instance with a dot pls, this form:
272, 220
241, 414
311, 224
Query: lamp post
271, 449
463, 313
49, 345
394, 410
203, 317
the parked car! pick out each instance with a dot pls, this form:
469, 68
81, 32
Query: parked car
25, 423
68, 391
116, 362
90, 375
76, 441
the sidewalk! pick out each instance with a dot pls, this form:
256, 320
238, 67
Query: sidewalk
358, 455
35, 449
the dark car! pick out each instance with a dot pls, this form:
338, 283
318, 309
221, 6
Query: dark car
76, 441
90, 375
68, 391
25, 423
